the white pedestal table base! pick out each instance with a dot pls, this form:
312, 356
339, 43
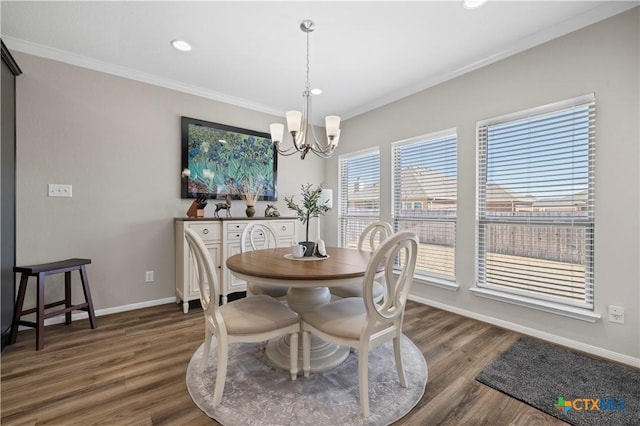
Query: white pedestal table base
324, 355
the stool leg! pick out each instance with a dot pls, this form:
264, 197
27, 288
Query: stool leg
67, 296
17, 313
87, 296
40, 313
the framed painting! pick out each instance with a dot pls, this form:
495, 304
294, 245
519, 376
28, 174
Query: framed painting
223, 160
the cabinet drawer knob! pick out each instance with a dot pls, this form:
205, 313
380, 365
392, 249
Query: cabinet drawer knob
284, 228
205, 231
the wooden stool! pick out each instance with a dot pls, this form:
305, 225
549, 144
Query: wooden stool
41, 271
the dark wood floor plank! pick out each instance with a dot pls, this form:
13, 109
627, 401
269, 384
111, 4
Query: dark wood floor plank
131, 371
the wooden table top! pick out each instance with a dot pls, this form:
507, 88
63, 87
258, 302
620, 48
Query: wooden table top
342, 263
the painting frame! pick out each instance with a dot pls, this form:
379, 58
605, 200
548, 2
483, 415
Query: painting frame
226, 161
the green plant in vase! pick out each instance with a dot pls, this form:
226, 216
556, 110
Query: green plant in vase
310, 207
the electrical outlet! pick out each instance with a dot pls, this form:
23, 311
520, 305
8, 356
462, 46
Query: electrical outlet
58, 190
616, 314
148, 276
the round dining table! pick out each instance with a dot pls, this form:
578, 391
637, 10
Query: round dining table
308, 279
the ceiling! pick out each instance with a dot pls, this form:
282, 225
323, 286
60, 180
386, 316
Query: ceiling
364, 54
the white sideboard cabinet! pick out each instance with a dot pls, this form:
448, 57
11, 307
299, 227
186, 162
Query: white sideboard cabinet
222, 239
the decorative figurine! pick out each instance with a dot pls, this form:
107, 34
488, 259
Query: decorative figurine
224, 206
271, 211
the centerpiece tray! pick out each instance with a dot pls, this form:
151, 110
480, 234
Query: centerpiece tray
307, 259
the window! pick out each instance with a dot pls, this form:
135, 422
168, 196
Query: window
425, 199
359, 195
536, 203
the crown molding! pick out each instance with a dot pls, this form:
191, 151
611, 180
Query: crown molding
64, 56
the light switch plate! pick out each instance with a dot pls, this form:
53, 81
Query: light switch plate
59, 190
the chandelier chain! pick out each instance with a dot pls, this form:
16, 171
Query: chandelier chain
308, 83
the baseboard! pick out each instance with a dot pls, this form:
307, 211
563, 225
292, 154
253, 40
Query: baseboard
132, 307
594, 350
107, 311
552, 338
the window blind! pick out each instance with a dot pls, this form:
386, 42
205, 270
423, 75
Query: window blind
536, 203
425, 199
359, 195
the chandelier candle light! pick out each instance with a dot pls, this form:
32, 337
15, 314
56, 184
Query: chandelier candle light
300, 127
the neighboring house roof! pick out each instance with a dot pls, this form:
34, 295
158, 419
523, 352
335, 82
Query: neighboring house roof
359, 191
497, 193
418, 183
423, 183
426, 183
577, 199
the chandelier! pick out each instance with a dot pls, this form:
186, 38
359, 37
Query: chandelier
299, 125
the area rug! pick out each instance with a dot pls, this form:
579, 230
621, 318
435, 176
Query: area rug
256, 394
575, 388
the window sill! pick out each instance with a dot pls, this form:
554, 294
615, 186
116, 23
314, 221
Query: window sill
540, 305
436, 282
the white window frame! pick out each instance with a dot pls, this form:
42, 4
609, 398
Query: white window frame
582, 310
423, 276
343, 216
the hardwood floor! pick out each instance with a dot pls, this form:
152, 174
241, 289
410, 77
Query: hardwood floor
131, 371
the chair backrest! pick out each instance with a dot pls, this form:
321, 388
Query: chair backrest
399, 251
205, 270
256, 236
374, 235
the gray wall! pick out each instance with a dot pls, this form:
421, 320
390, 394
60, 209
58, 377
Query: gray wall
603, 59
117, 141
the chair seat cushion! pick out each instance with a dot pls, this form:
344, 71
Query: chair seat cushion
355, 290
268, 290
257, 314
343, 318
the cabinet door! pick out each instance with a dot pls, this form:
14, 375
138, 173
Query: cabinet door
233, 235
233, 283
215, 253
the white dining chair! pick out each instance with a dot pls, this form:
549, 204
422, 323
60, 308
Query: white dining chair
256, 236
372, 236
249, 320
360, 322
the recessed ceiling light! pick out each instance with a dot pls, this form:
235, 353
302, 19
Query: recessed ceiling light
316, 91
181, 45
473, 4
